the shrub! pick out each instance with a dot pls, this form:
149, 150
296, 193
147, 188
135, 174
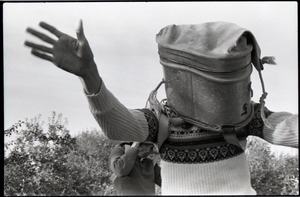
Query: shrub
54, 163
35, 164
271, 175
89, 162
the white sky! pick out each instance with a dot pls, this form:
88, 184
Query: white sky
122, 37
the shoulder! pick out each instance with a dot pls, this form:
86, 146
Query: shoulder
256, 125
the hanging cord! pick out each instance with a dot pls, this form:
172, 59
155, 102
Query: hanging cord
264, 60
152, 100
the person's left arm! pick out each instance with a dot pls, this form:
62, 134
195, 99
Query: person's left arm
284, 129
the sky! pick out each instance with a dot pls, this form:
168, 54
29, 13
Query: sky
122, 37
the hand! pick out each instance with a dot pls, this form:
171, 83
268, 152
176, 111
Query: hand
69, 54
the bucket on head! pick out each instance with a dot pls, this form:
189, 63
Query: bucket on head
207, 70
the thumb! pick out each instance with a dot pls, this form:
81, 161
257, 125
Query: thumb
79, 32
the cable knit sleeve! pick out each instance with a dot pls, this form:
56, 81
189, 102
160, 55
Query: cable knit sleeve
116, 121
284, 131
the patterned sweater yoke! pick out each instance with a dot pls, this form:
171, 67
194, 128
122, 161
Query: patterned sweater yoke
191, 144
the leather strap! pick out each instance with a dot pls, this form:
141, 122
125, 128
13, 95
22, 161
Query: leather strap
230, 137
163, 132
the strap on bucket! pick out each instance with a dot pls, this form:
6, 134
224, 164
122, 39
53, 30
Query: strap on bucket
264, 60
153, 102
229, 132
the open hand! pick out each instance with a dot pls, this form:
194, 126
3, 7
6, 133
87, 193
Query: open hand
70, 54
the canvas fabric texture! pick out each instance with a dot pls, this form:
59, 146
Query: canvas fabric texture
213, 46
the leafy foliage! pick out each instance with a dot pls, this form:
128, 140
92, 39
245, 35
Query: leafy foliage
52, 162
269, 174
89, 164
36, 164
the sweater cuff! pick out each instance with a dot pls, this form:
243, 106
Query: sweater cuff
102, 101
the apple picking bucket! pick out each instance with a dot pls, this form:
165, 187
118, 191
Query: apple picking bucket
207, 70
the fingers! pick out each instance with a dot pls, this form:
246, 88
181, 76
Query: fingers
79, 32
42, 55
40, 35
39, 47
51, 29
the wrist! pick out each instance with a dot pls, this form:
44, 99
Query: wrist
91, 79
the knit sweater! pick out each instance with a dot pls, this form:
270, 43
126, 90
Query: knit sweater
189, 166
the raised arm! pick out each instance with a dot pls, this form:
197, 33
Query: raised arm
76, 57
284, 127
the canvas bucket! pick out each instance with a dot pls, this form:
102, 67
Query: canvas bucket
207, 70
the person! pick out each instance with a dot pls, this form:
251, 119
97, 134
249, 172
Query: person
195, 159
134, 171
